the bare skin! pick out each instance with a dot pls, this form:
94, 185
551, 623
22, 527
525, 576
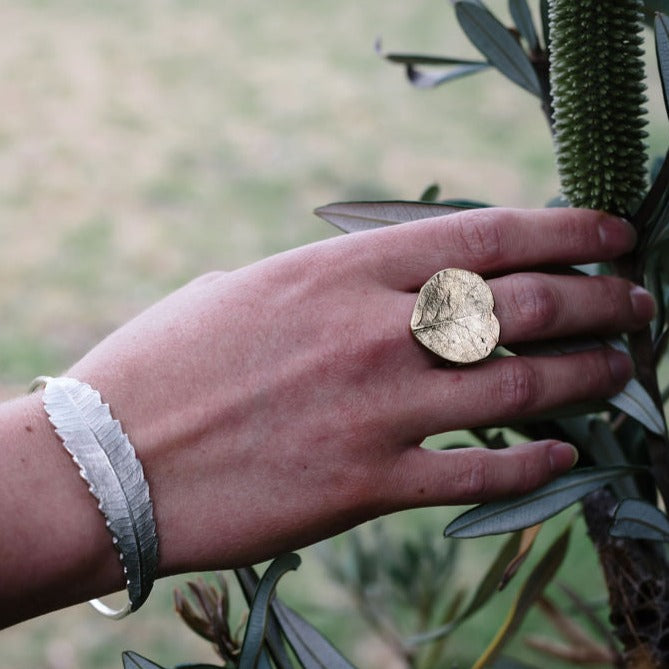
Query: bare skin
286, 401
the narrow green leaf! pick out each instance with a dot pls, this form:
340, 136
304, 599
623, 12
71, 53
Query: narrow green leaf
264, 661
248, 582
132, 660
662, 52
465, 203
459, 67
536, 583
424, 59
488, 586
491, 581
430, 194
497, 44
636, 519
545, 22
635, 401
522, 17
534, 507
603, 447
198, 665
312, 649
648, 216
359, 216
254, 636
422, 79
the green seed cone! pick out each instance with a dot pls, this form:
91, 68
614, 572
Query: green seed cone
597, 84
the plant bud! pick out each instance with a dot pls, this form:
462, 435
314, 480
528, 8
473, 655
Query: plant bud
597, 86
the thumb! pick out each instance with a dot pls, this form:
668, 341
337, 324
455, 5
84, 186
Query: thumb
473, 475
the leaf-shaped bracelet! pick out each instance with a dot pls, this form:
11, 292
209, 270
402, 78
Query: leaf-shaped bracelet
108, 463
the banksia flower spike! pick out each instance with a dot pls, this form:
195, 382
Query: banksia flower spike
597, 85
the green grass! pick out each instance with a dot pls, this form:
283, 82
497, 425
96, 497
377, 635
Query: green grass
143, 143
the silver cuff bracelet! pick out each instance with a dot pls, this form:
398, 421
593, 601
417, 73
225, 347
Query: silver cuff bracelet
108, 463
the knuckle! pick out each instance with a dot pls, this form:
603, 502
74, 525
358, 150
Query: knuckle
480, 237
477, 480
577, 235
517, 388
535, 305
609, 303
596, 374
529, 474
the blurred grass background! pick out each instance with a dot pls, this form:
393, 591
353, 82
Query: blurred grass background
145, 142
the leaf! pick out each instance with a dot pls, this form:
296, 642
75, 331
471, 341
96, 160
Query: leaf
636, 519
649, 216
459, 67
522, 17
528, 537
431, 61
487, 587
635, 401
422, 79
254, 636
453, 316
531, 590
115, 477
312, 649
132, 660
359, 216
430, 194
534, 507
248, 582
603, 447
662, 52
545, 22
497, 44
491, 581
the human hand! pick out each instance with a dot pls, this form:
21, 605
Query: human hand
286, 401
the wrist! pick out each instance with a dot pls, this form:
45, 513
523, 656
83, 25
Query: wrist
62, 553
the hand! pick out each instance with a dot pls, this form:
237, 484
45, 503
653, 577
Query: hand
286, 401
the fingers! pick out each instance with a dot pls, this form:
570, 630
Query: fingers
540, 306
502, 390
492, 240
426, 478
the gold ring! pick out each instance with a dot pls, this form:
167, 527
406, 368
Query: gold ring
454, 318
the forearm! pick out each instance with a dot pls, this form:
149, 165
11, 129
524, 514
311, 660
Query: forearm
54, 549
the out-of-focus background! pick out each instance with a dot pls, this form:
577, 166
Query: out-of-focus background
145, 142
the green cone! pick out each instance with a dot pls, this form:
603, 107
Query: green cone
597, 85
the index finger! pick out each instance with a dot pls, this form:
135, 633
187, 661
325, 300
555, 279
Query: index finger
489, 241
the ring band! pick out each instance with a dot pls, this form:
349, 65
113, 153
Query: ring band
453, 316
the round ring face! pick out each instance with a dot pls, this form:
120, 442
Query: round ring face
453, 316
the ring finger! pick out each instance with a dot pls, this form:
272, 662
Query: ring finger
533, 306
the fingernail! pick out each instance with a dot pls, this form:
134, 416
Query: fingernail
643, 304
562, 456
620, 366
617, 233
